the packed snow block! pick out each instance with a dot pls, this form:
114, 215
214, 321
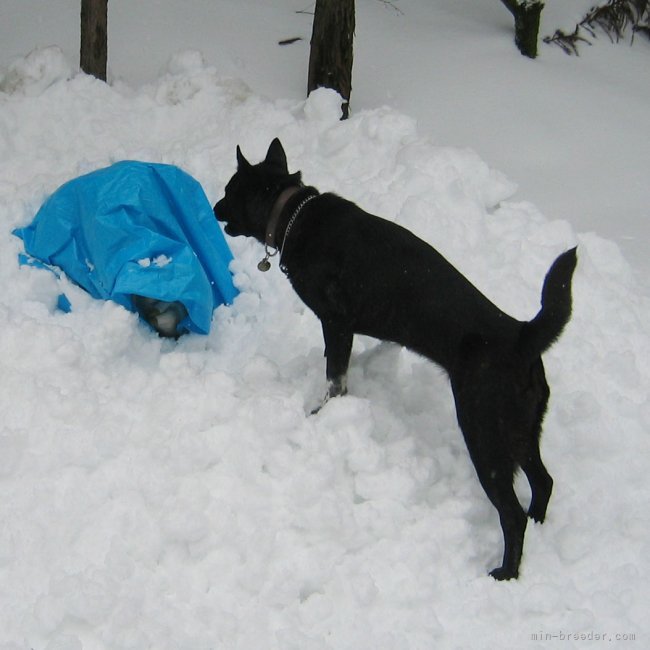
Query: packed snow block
137, 229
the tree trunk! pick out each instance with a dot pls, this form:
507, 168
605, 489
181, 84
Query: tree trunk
330, 56
527, 15
94, 49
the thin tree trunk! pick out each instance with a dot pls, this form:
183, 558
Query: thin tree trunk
331, 53
527, 16
94, 35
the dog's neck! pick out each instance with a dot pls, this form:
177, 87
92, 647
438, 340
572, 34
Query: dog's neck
270, 238
274, 239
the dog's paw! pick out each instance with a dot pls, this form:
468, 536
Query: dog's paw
316, 409
537, 510
337, 386
333, 390
501, 573
537, 516
320, 406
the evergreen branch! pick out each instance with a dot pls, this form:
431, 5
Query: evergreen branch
614, 18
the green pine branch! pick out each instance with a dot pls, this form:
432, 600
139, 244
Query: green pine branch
614, 18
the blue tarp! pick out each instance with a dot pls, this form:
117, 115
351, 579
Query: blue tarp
137, 228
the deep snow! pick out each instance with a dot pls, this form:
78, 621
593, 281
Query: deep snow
177, 495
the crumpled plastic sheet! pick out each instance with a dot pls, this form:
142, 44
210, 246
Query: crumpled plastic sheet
136, 228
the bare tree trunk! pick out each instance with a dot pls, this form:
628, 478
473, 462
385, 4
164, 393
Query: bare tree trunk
330, 56
94, 34
527, 15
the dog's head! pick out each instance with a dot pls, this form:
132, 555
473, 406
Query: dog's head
252, 192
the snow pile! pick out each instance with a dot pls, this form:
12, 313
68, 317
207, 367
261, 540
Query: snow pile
177, 495
34, 73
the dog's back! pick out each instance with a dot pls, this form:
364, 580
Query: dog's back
388, 283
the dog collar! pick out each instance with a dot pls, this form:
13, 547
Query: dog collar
276, 211
271, 228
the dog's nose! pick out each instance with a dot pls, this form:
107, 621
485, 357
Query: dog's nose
218, 210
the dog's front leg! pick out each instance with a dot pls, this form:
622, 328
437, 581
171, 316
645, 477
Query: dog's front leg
338, 346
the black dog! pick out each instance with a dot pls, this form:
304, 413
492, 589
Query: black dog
362, 274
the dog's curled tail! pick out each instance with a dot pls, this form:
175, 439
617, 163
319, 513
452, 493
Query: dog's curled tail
540, 333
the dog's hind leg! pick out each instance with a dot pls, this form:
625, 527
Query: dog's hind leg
513, 525
495, 474
487, 442
534, 401
541, 485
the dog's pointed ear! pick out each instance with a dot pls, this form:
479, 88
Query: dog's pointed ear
276, 156
241, 161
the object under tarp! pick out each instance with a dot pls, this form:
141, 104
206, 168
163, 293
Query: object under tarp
137, 228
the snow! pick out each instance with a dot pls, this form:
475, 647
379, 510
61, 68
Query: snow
159, 260
179, 495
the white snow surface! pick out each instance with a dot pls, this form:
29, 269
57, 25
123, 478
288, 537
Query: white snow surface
179, 496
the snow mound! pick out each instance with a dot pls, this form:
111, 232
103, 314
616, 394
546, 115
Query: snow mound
178, 495
33, 74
